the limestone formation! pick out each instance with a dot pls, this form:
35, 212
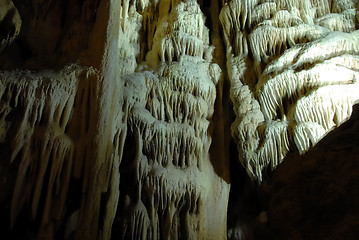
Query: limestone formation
293, 67
114, 114
36, 113
133, 131
170, 105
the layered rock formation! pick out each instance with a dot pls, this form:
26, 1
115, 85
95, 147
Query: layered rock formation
168, 193
115, 115
293, 68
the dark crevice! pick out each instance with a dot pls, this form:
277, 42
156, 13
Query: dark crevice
243, 203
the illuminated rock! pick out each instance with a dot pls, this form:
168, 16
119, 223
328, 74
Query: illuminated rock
170, 192
304, 80
133, 131
115, 117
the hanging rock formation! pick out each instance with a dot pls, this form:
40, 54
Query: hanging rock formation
132, 133
168, 191
115, 115
293, 67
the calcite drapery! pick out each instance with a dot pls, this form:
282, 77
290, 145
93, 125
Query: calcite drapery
293, 72
170, 191
36, 117
120, 144
146, 117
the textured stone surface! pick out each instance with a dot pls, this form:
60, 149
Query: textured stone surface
124, 133
293, 67
115, 116
170, 106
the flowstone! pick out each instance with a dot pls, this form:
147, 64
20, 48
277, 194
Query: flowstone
171, 187
115, 119
293, 67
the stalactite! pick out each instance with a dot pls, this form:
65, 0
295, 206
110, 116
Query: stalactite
305, 58
169, 121
41, 144
131, 136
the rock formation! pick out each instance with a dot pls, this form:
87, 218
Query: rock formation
293, 68
168, 193
115, 115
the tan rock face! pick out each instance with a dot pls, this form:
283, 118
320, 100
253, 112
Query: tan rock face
126, 136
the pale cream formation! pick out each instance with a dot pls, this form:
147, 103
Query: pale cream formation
130, 135
133, 132
171, 99
293, 67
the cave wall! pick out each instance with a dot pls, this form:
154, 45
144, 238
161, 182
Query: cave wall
116, 116
293, 70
